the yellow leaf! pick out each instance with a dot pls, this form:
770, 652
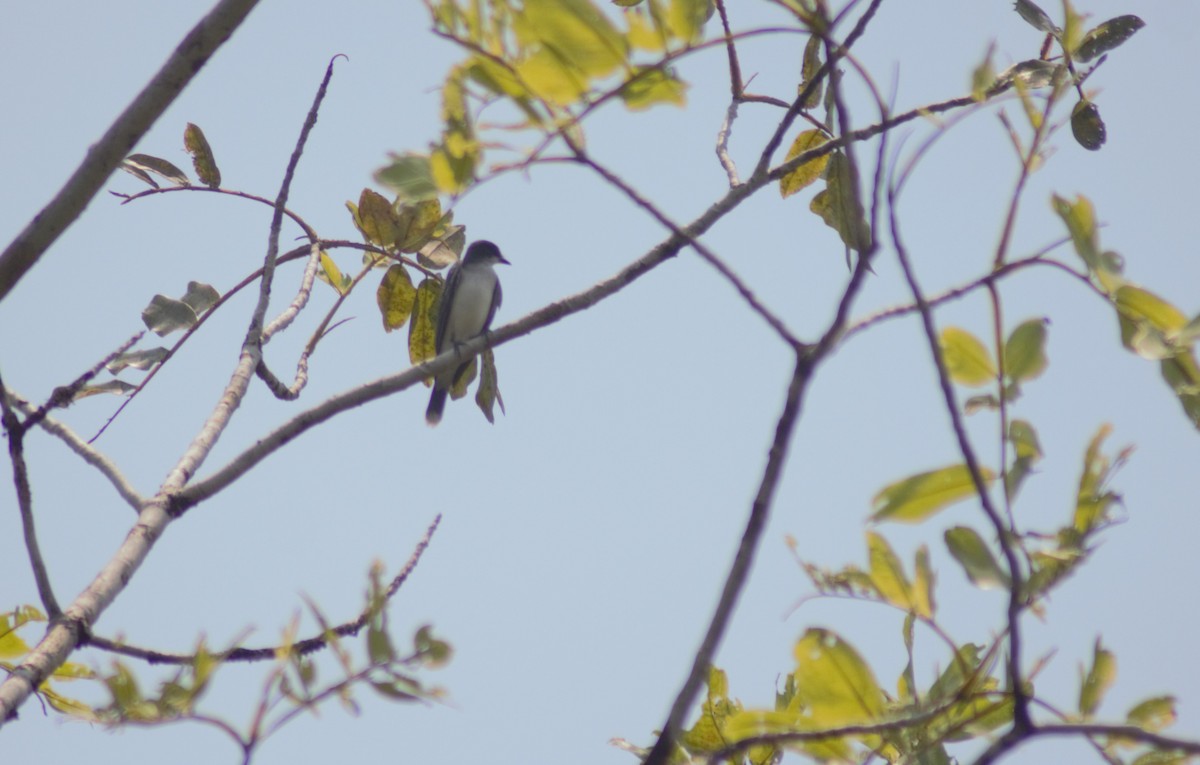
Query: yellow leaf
810, 171
395, 297
919, 496
967, 360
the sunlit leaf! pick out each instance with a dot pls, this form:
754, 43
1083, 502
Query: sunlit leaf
408, 175
917, 497
967, 359
1153, 714
833, 682
203, 160
973, 554
376, 218
1025, 351
415, 224
810, 171
652, 86
923, 582
332, 275
576, 31
887, 573
686, 18
395, 297
1098, 680
1093, 499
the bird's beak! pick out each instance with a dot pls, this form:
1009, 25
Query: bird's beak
504, 261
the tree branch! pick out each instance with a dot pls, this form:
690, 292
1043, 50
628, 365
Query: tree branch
106, 154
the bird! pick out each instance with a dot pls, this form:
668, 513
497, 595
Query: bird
469, 301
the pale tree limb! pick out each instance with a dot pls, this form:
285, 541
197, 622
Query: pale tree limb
67, 632
107, 154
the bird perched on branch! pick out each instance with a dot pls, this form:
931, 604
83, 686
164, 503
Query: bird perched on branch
469, 302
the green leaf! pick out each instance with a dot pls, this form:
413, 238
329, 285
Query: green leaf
148, 164
1080, 218
972, 553
706, 734
395, 296
1036, 17
1093, 499
917, 497
983, 76
410, 176
807, 173
436, 653
651, 86
1087, 126
332, 275
1027, 453
415, 224
686, 18
964, 672
833, 682
1153, 714
202, 156
165, 315
201, 297
923, 584
577, 33
376, 219
839, 205
808, 70
1025, 351
887, 573
136, 359
422, 332
1182, 373
1098, 680
967, 360
488, 393
1107, 36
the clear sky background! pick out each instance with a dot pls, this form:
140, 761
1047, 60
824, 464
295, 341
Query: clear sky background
586, 534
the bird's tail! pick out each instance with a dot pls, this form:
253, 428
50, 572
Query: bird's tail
437, 402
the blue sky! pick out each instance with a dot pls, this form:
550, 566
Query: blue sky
585, 535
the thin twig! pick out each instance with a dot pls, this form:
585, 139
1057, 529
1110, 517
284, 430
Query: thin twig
16, 453
1020, 697
302, 647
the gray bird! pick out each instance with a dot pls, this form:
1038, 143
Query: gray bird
469, 302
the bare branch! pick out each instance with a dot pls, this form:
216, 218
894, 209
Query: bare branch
302, 647
16, 453
106, 154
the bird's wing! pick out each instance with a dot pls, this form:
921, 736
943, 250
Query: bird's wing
497, 295
443, 315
